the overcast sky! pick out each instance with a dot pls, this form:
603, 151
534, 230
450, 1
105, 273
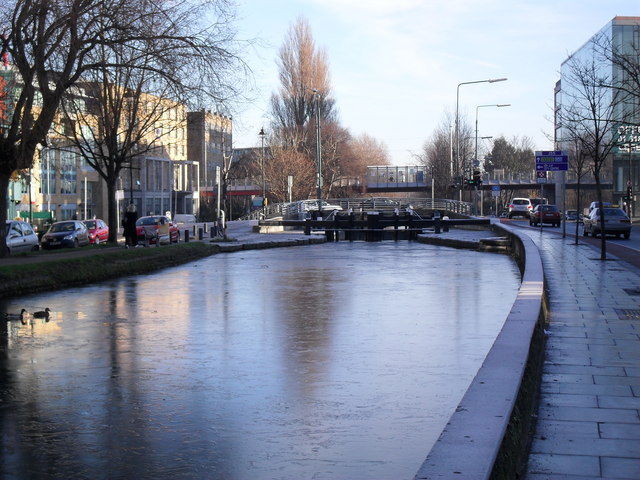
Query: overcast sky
396, 64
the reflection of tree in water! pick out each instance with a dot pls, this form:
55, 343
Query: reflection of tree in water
310, 300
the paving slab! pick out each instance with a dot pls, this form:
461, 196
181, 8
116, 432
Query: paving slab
588, 424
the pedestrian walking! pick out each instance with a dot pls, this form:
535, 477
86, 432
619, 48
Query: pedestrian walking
129, 225
221, 224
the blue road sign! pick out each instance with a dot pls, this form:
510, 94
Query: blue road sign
552, 161
552, 167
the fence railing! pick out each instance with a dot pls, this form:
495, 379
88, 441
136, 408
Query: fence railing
300, 208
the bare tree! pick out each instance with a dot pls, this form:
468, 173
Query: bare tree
52, 45
579, 164
361, 152
589, 113
437, 157
304, 82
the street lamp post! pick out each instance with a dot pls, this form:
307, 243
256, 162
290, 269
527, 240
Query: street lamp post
264, 188
475, 161
318, 153
458, 169
499, 105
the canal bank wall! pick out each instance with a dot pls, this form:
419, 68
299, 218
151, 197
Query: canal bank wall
487, 437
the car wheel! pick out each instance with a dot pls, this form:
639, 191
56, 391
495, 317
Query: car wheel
584, 232
75, 243
627, 235
97, 241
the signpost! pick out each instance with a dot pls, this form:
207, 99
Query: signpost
495, 193
551, 161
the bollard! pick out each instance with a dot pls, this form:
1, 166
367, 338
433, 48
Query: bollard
205, 229
200, 233
436, 225
186, 236
195, 230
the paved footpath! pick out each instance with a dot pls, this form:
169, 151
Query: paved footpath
589, 417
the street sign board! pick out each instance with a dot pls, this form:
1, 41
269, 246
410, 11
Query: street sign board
552, 161
552, 167
541, 176
495, 190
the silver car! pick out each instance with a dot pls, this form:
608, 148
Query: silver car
616, 222
21, 237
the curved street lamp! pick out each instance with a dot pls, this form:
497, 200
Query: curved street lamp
491, 80
499, 105
264, 187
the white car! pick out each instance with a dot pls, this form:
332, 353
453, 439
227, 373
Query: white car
21, 237
311, 205
520, 207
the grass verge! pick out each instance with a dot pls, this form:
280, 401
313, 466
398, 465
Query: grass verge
23, 279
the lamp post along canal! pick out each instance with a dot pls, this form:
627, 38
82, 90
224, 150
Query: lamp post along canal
459, 171
318, 153
264, 187
476, 164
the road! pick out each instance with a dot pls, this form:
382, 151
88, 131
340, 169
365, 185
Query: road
628, 250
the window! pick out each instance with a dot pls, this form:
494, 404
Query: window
68, 172
48, 172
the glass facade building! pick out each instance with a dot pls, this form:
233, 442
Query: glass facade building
619, 99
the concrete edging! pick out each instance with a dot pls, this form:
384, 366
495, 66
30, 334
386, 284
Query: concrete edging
478, 441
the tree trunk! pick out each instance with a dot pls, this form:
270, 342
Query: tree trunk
4, 185
112, 209
577, 209
603, 241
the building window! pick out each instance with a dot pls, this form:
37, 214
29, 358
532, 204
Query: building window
68, 172
48, 172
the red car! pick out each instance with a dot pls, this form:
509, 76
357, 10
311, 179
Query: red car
147, 227
545, 214
98, 231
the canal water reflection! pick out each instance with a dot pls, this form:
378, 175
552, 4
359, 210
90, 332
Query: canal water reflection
329, 361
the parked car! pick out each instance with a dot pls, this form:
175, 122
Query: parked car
98, 231
542, 214
21, 237
310, 205
68, 233
520, 207
616, 222
595, 205
380, 203
571, 215
151, 224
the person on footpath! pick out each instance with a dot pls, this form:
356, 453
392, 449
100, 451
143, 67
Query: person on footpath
221, 225
129, 224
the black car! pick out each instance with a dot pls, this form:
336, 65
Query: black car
69, 233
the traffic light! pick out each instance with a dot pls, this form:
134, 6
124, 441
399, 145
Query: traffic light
477, 177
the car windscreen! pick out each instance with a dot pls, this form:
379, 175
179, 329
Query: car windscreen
63, 227
148, 221
90, 223
521, 202
613, 212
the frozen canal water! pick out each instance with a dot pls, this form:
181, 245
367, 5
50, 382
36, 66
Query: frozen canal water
334, 361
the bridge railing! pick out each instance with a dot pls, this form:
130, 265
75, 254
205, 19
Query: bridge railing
292, 209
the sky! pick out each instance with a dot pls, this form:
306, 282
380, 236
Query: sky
397, 65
